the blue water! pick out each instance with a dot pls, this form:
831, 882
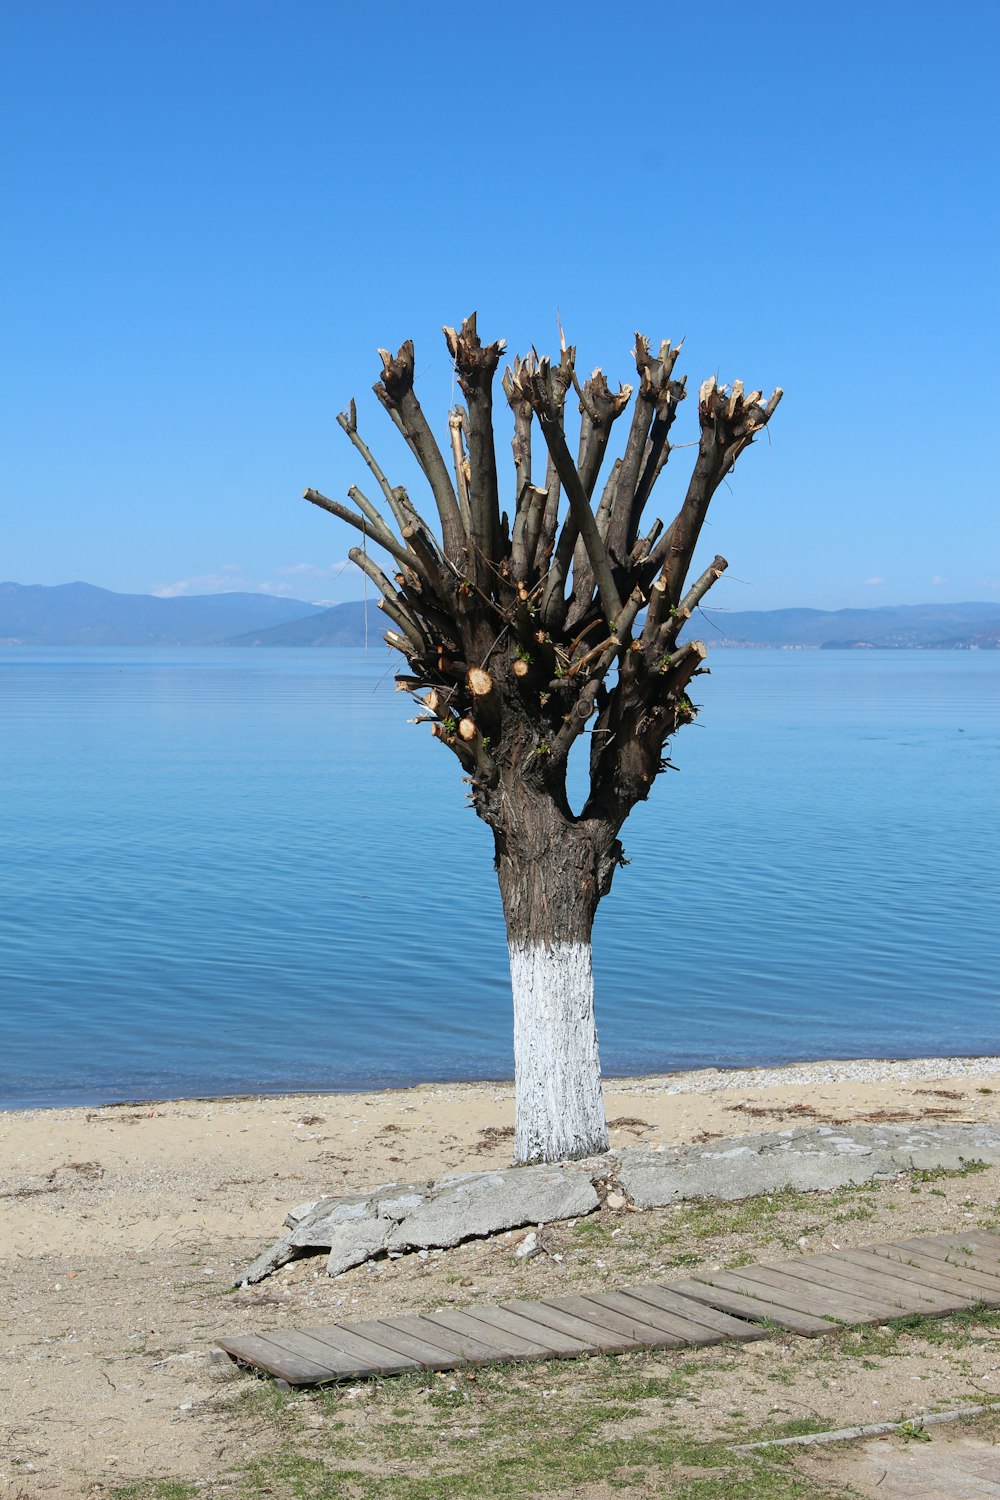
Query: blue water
242, 871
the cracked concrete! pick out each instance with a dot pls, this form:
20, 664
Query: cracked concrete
398, 1217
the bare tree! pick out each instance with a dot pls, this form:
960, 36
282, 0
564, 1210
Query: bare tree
523, 631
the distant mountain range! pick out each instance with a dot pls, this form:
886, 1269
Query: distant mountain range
78, 614
937, 626
891, 626
341, 625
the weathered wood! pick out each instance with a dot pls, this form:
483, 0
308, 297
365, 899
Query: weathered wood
984, 1247
463, 1346
428, 1354
869, 1280
857, 1294
667, 1298
684, 1329
922, 1278
549, 1340
632, 1320
754, 1308
270, 1352
791, 1292
508, 1345
556, 1315
959, 1270
338, 1343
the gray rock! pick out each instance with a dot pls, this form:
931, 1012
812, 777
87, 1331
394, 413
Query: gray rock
652, 1185
327, 1218
353, 1243
434, 1215
484, 1203
270, 1260
815, 1160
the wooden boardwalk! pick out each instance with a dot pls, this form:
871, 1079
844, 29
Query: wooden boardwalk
809, 1295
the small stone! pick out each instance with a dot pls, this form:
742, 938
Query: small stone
616, 1202
528, 1247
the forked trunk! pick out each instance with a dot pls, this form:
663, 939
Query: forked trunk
523, 629
550, 890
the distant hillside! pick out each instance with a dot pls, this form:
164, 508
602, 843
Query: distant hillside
927, 626
78, 614
937, 626
341, 625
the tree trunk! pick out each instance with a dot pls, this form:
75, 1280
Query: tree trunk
548, 870
518, 634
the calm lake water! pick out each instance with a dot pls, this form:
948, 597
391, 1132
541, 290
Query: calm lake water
240, 871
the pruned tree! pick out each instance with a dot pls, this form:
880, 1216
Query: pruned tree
524, 628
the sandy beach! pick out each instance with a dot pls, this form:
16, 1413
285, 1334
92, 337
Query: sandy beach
124, 1227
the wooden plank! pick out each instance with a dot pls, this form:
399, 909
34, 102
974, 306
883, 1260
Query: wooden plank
548, 1339
508, 1345
684, 1330
876, 1274
408, 1345
989, 1242
556, 1315
632, 1318
892, 1298
930, 1274
337, 1345
270, 1353
962, 1256
983, 1245
792, 1292
978, 1288
753, 1308
975, 1245
953, 1262
469, 1350
665, 1297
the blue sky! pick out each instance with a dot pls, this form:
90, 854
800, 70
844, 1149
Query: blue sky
214, 213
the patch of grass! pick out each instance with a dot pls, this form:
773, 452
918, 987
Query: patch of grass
592, 1232
744, 1258
155, 1489
934, 1174
543, 1430
794, 1427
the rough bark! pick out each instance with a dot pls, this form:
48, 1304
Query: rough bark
520, 635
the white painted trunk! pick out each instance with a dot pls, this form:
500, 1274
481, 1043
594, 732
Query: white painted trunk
557, 1070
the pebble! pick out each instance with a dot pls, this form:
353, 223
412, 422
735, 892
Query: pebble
862, 1070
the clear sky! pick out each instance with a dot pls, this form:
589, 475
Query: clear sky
215, 212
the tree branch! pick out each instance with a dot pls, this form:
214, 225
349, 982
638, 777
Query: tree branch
534, 381
395, 391
456, 426
656, 400
561, 378
347, 421
392, 602
729, 422
387, 542
476, 366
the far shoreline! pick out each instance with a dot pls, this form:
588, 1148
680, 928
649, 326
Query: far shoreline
712, 1078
